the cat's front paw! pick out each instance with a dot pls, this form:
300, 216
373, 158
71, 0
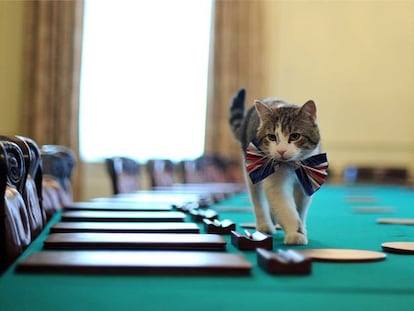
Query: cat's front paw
265, 228
296, 238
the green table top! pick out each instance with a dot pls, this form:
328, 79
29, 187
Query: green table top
332, 223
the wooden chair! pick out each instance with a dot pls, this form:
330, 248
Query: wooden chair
375, 175
211, 169
189, 172
397, 175
124, 173
15, 234
161, 172
235, 172
32, 192
57, 165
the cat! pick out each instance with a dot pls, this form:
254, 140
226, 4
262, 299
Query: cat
280, 136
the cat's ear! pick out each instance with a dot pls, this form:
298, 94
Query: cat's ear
309, 108
262, 109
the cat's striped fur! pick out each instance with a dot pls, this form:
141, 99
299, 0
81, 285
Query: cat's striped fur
285, 133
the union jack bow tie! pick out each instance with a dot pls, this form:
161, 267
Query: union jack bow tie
311, 172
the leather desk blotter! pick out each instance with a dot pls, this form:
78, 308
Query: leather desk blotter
125, 227
123, 216
118, 206
155, 241
138, 262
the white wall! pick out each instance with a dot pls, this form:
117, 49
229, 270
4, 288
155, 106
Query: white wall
355, 59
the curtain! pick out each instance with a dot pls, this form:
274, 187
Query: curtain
237, 60
52, 74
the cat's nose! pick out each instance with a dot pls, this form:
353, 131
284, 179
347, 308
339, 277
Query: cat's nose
281, 152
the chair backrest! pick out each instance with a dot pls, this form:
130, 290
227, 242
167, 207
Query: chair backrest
32, 182
190, 172
375, 175
35, 169
397, 175
161, 172
15, 234
124, 173
211, 169
58, 163
214, 168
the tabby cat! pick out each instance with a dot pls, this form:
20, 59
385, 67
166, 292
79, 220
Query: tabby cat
281, 143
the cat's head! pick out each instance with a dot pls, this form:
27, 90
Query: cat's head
287, 132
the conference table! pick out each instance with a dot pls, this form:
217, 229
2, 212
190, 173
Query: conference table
340, 217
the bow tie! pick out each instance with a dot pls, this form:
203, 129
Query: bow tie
311, 172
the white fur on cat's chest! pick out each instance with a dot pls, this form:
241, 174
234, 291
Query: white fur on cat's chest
283, 179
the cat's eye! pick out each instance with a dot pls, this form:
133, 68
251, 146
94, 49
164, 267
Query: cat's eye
294, 136
271, 137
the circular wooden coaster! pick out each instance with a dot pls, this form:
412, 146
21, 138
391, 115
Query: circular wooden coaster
342, 255
397, 221
399, 247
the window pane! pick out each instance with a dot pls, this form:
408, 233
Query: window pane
144, 79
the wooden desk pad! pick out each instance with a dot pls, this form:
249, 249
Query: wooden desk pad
125, 227
135, 262
118, 206
123, 216
157, 241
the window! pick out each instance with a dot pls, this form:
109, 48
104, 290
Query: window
144, 79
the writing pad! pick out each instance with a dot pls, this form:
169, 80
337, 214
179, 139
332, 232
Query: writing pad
123, 216
361, 199
125, 227
182, 241
399, 247
342, 255
118, 206
373, 209
396, 221
138, 262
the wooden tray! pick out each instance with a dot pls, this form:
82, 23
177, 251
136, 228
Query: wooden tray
158, 241
135, 262
125, 227
123, 216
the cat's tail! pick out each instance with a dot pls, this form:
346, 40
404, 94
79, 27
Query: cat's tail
237, 110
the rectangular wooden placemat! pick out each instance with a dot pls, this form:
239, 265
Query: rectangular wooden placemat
158, 241
125, 227
118, 206
123, 216
138, 262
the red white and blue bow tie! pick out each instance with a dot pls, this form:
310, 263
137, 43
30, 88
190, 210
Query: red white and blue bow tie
311, 172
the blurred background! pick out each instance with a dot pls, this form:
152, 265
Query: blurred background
353, 58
